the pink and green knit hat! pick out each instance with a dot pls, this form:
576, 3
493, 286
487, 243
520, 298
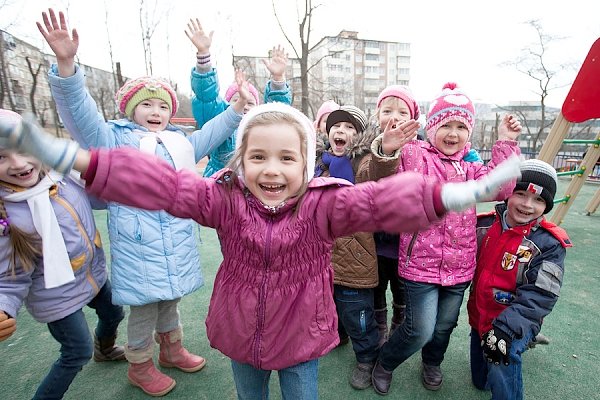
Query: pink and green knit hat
134, 91
451, 105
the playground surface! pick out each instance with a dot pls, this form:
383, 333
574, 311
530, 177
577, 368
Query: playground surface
568, 368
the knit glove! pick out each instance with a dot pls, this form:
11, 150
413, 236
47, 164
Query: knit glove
28, 137
496, 346
457, 196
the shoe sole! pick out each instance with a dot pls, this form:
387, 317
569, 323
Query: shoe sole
155, 394
432, 387
198, 367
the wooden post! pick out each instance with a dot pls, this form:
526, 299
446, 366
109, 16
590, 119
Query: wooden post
558, 132
592, 206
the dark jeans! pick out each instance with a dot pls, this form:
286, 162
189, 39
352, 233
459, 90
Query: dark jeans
356, 314
388, 274
431, 316
505, 381
76, 344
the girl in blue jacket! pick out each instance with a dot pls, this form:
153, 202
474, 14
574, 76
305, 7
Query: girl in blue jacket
155, 259
206, 102
51, 260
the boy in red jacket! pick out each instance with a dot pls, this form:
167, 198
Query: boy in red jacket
520, 265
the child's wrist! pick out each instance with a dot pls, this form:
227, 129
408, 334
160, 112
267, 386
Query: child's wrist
202, 58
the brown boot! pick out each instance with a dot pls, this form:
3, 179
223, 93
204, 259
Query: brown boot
174, 355
397, 317
381, 319
106, 350
381, 379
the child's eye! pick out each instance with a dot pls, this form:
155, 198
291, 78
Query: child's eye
539, 199
257, 157
288, 158
164, 107
386, 112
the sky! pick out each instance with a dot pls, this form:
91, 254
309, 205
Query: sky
465, 41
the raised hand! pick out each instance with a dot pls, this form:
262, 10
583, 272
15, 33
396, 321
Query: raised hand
240, 105
457, 196
277, 63
396, 134
8, 326
63, 44
28, 137
510, 128
196, 34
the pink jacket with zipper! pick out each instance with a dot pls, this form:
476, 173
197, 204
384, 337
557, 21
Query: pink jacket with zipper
444, 253
272, 303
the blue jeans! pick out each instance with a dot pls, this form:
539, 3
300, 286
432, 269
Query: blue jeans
76, 344
505, 381
431, 316
298, 382
356, 314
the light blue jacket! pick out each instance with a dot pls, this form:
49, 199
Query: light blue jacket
206, 104
78, 228
154, 255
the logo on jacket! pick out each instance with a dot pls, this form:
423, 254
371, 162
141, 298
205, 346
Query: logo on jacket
508, 261
524, 254
503, 297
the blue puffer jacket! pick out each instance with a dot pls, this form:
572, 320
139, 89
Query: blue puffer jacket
154, 256
206, 104
78, 228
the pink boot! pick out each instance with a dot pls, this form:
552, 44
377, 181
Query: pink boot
153, 382
173, 354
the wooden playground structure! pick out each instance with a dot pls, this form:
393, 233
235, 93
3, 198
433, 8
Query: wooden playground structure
582, 104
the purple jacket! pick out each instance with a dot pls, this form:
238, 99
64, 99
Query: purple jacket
272, 303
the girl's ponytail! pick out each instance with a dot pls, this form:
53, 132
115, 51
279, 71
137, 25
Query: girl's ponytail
25, 246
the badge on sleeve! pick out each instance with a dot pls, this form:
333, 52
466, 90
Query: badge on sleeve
524, 254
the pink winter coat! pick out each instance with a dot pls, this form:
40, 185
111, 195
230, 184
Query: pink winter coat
272, 303
444, 254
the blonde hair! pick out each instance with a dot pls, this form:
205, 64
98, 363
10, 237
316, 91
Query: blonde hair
25, 246
266, 119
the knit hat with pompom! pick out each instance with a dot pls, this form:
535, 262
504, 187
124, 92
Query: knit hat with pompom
451, 105
134, 91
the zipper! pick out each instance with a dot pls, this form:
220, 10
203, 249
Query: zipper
410, 249
262, 296
67, 206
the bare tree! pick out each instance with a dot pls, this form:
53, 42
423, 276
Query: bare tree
148, 25
533, 62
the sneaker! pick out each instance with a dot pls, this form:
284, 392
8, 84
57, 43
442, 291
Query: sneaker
432, 376
539, 339
381, 379
361, 375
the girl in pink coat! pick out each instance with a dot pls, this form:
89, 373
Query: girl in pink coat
436, 265
272, 305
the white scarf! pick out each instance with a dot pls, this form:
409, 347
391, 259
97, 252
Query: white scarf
57, 265
179, 148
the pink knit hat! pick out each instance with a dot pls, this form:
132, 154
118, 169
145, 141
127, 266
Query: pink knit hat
403, 93
451, 105
134, 91
234, 88
326, 108
9, 117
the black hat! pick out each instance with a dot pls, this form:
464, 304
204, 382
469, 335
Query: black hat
347, 114
539, 177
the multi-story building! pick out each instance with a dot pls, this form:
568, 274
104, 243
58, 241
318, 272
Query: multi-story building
343, 68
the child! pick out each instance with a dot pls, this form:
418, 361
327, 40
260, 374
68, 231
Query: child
272, 305
320, 122
155, 258
520, 266
437, 264
353, 259
395, 104
206, 102
52, 260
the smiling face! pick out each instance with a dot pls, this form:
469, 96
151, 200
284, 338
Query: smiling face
273, 162
152, 114
523, 207
451, 137
340, 137
19, 169
393, 108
